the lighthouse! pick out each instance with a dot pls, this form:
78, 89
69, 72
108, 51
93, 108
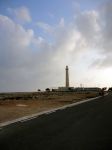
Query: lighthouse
67, 77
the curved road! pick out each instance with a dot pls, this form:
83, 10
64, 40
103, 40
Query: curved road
87, 126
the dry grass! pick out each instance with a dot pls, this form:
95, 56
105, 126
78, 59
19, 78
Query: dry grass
13, 109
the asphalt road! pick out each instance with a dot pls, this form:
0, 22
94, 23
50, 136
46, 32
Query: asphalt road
87, 126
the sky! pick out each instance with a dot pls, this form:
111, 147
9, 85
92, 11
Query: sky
38, 38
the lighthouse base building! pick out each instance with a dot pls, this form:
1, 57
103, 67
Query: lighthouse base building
67, 87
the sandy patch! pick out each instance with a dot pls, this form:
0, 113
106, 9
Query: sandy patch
21, 105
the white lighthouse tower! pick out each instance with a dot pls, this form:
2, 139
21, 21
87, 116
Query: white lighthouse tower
67, 77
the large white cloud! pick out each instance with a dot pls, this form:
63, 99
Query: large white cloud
28, 61
88, 25
105, 36
14, 40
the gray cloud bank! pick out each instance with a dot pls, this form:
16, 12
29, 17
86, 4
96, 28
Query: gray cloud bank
28, 61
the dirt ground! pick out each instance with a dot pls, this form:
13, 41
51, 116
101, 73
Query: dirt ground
13, 109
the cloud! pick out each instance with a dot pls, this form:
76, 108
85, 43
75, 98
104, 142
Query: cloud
14, 52
28, 61
105, 36
44, 26
106, 15
22, 14
88, 25
14, 39
25, 59
48, 28
95, 27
